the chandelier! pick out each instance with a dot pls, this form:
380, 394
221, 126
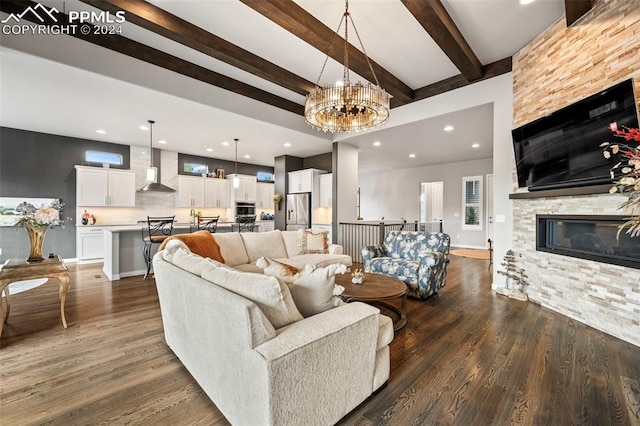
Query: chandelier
347, 107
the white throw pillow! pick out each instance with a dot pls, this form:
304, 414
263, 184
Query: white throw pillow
270, 294
171, 248
313, 289
315, 242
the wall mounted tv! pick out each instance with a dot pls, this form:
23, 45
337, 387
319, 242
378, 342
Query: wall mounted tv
563, 149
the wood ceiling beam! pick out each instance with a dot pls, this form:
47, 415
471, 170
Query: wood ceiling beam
435, 19
574, 9
159, 21
305, 26
156, 57
491, 70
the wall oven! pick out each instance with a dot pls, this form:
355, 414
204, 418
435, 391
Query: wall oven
243, 209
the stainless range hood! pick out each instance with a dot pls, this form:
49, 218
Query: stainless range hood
153, 171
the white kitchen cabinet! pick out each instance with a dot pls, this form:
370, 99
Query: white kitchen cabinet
326, 190
267, 226
247, 190
264, 199
190, 191
216, 193
89, 244
304, 180
105, 187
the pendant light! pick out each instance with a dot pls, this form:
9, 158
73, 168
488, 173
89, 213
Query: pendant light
151, 171
236, 179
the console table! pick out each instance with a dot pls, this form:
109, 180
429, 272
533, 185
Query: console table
21, 270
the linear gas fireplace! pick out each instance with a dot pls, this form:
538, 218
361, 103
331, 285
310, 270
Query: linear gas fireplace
588, 237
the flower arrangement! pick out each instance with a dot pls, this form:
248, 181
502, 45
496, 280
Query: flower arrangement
47, 217
629, 171
277, 198
357, 276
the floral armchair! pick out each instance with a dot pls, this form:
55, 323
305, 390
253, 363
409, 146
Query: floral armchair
420, 259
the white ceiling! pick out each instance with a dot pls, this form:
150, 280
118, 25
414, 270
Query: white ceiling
62, 85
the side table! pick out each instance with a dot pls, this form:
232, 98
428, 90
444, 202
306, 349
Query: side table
19, 269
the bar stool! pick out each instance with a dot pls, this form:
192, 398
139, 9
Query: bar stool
244, 223
208, 223
157, 230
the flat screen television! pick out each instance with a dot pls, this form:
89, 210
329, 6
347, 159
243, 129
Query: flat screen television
563, 149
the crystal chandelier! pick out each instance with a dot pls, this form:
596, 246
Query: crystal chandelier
347, 107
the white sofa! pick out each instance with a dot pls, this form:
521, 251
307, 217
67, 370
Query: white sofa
241, 250
312, 371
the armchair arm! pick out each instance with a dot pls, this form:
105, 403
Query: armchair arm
336, 249
370, 252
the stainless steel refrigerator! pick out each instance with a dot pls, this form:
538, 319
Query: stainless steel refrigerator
298, 211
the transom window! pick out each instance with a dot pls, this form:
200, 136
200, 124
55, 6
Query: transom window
103, 157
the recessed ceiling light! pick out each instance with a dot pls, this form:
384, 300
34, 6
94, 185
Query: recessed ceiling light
143, 127
475, 145
412, 156
448, 128
377, 143
526, 1
287, 144
225, 143
209, 149
162, 141
247, 156
102, 132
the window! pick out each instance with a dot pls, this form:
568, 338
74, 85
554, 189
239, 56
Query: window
472, 203
103, 157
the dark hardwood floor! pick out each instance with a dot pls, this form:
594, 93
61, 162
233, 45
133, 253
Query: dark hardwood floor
466, 357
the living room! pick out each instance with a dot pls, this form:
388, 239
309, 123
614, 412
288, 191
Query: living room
558, 67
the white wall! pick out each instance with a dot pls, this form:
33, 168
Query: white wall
395, 194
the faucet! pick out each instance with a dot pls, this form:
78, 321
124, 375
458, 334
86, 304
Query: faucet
192, 213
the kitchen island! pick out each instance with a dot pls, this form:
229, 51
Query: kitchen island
123, 246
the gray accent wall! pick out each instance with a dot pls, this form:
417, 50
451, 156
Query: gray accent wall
41, 165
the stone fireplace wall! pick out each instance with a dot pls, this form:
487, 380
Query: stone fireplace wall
559, 67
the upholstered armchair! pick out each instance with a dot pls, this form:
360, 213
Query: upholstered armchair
420, 259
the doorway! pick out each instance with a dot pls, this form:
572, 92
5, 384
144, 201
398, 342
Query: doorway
431, 201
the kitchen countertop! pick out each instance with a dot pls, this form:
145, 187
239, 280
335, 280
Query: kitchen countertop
118, 227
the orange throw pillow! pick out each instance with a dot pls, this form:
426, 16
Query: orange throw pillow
201, 243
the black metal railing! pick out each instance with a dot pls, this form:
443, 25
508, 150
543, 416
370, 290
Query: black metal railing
355, 235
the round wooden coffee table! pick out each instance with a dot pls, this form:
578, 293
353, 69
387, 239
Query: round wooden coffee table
386, 293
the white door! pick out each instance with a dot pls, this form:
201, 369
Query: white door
431, 201
490, 207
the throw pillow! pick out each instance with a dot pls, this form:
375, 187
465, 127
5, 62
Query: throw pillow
171, 247
201, 243
315, 242
270, 294
313, 289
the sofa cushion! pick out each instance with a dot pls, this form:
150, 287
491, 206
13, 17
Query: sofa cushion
402, 269
201, 243
292, 241
385, 332
312, 288
232, 248
314, 242
259, 244
271, 295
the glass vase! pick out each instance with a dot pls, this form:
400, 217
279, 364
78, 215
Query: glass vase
36, 240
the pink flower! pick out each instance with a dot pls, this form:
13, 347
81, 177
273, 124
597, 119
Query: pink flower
47, 216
